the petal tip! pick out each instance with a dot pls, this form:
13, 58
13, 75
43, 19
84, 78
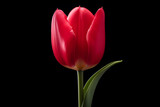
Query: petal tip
57, 10
100, 11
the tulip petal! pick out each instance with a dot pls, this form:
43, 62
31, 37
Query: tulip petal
96, 38
63, 39
80, 19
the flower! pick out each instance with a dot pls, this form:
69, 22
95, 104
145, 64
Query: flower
78, 40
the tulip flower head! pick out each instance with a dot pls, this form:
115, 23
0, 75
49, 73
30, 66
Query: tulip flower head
78, 40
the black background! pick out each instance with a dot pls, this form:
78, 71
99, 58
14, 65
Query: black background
37, 79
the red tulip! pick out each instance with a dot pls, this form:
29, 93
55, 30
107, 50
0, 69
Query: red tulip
78, 40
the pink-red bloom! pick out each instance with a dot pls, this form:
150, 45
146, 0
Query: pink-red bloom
78, 40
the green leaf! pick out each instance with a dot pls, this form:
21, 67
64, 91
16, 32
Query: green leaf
91, 84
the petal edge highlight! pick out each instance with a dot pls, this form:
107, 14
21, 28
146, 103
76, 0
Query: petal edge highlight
62, 39
96, 38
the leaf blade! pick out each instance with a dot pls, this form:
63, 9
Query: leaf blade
92, 82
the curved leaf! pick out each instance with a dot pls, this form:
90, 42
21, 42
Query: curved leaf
92, 82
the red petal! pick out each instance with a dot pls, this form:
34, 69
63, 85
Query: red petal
80, 19
96, 38
62, 39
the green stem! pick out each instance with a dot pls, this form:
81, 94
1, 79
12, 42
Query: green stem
80, 87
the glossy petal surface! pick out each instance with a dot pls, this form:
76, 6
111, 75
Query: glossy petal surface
96, 38
80, 19
78, 41
63, 39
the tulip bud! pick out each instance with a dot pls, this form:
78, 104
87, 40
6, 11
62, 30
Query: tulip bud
78, 40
